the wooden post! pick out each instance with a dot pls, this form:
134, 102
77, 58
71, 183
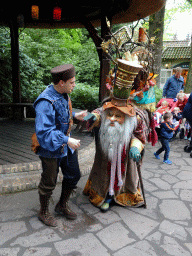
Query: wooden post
15, 60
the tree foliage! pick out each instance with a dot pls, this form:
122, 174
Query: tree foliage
5, 65
173, 8
41, 50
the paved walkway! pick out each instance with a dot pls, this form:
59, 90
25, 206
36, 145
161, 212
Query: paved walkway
164, 228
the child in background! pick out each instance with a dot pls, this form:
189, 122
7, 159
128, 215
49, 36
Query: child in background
177, 116
166, 133
161, 110
181, 100
187, 131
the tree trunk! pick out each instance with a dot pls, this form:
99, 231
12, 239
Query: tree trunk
188, 86
104, 60
156, 29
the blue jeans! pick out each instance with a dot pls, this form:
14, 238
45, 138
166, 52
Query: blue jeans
165, 147
70, 170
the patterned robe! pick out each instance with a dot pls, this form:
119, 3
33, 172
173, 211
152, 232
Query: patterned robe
128, 194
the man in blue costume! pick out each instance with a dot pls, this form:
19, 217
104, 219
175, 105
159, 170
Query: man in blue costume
174, 84
187, 113
57, 149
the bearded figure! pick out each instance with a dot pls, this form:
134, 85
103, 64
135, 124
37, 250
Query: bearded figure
123, 132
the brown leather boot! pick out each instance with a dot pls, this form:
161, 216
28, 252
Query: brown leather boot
44, 214
62, 206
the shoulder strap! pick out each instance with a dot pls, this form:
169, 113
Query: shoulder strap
71, 117
35, 144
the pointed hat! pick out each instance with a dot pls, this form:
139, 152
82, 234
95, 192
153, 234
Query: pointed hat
124, 77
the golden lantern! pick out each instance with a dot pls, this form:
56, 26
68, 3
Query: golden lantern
35, 12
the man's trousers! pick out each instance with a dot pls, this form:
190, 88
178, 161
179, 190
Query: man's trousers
69, 167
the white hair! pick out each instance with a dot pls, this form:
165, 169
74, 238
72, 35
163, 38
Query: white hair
114, 137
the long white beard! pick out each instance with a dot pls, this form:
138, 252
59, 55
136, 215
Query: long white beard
111, 137
112, 140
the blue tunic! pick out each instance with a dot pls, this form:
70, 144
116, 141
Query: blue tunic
172, 87
52, 123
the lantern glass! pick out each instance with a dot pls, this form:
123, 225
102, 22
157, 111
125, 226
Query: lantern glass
57, 13
35, 12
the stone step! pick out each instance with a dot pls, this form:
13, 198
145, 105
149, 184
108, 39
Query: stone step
83, 155
26, 176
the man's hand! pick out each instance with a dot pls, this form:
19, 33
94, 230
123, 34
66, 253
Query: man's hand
73, 143
96, 123
79, 116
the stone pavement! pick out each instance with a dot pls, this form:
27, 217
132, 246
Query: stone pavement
164, 228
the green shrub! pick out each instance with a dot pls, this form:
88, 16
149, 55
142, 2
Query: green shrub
158, 93
85, 97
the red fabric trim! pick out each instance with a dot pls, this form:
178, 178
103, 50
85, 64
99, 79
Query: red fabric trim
152, 137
